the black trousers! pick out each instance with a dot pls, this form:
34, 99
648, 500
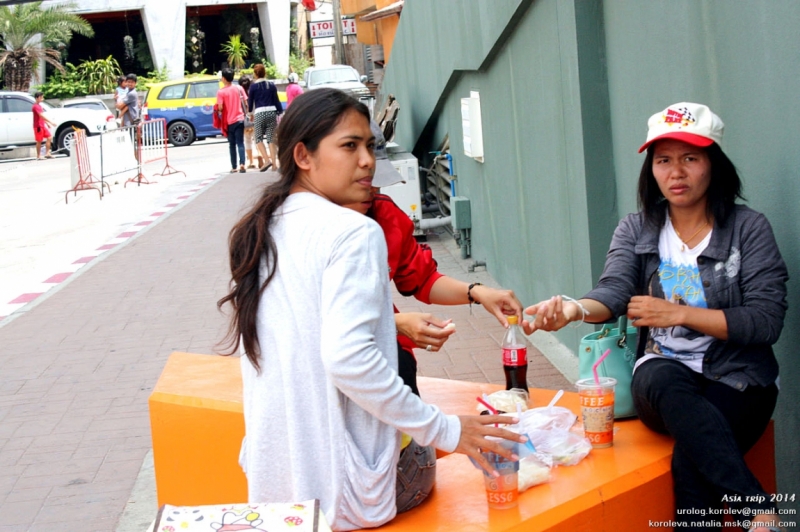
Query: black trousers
714, 425
407, 368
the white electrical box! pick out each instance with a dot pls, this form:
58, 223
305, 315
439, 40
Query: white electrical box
405, 194
471, 127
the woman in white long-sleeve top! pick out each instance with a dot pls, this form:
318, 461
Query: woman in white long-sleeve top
324, 407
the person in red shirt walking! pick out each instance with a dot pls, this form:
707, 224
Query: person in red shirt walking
231, 103
40, 130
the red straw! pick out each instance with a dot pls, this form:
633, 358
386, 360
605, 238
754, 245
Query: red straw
489, 407
599, 361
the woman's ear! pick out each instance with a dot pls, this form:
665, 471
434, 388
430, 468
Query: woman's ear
302, 158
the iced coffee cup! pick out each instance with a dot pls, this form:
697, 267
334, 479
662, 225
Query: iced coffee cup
597, 410
501, 492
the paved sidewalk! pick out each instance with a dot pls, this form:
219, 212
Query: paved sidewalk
77, 369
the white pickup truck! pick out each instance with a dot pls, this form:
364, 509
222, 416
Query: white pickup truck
342, 77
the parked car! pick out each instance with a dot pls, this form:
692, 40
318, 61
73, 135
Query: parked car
187, 105
342, 77
85, 103
16, 121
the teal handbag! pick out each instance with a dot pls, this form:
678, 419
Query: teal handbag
618, 364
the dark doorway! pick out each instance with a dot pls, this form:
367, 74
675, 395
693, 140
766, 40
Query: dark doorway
110, 31
212, 26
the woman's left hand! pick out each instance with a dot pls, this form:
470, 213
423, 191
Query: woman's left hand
500, 303
648, 311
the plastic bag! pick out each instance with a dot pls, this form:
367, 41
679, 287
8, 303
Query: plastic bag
564, 447
533, 470
506, 400
546, 418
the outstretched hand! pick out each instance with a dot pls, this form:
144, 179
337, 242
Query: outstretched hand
498, 302
550, 315
424, 329
474, 432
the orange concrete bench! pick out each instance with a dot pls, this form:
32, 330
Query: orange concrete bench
197, 428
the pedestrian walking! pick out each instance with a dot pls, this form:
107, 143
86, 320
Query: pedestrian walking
266, 107
244, 83
293, 90
229, 107
40, 129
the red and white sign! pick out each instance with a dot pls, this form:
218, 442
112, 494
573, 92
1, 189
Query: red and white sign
321, 29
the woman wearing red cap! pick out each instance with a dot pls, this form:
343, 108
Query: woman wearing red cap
704, 280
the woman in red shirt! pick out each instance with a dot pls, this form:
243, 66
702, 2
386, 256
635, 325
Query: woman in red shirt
414, 272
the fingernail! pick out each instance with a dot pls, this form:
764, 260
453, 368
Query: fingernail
514, 458
523, 439
495, 474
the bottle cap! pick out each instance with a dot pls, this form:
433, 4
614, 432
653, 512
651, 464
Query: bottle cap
512, 320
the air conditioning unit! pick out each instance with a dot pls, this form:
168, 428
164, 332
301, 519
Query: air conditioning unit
407, 194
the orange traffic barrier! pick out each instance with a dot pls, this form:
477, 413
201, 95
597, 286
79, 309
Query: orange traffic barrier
197, 428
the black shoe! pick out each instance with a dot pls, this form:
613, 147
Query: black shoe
265, 167
242, 170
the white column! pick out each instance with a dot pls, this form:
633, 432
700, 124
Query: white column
274, 17
165, 27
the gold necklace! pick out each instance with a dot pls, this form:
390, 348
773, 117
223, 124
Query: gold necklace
686, 241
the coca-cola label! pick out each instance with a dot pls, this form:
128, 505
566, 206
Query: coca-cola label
515, 356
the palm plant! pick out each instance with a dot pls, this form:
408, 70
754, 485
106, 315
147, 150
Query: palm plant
236, 50
28, 33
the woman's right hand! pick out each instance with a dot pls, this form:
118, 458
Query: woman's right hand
424, 329
550, 315
474, 430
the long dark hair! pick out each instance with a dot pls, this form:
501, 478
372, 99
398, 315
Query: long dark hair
245, 82
723, 190
312, 116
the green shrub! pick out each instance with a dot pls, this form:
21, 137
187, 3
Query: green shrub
100, 75
154, 76
299, 64
67, 84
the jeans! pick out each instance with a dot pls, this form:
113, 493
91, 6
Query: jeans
236, 141
714, 425
416, 474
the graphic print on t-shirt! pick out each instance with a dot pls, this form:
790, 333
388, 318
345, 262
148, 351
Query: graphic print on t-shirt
678, 281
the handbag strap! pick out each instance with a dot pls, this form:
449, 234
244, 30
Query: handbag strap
622, 325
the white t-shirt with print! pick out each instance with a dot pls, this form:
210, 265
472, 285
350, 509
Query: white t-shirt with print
678, 282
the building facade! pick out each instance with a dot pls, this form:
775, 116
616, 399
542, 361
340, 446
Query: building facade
165, 25
565, 89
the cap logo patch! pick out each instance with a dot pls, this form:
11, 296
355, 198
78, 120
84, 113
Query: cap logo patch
681, 116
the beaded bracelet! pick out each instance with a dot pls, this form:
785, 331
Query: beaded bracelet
584, 312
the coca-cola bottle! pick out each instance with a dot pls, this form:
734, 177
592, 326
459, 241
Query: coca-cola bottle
515, 356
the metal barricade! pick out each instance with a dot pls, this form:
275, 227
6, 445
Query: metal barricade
119, 153
153, 144
86, 180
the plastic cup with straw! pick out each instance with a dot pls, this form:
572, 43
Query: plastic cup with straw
597, 406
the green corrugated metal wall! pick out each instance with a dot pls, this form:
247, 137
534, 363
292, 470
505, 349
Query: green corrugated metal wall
566, 88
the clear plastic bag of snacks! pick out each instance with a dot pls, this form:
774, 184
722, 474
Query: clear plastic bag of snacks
546, 418
506, 401
563, 446
534, 469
